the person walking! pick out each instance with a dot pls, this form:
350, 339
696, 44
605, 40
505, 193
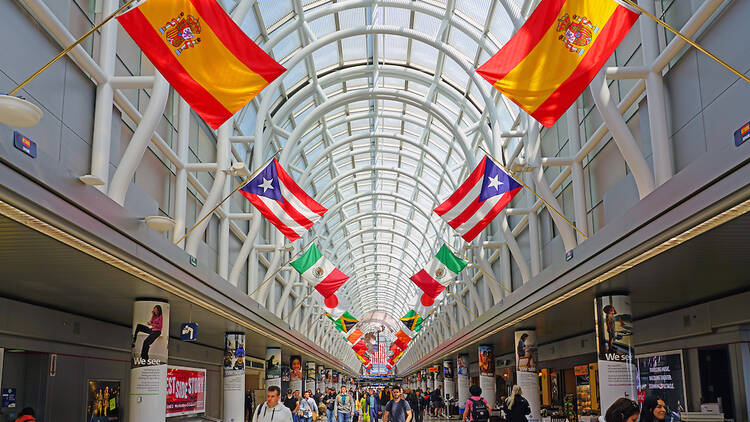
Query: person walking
292, 403
623, 410
373, 405
329, 400
270, 410
476, 408
654, 409
516, 406
344, 406
437, 401
398, 409
307, 407
385, 396
26, 415
417, 404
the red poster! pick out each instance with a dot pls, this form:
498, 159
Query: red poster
186, 391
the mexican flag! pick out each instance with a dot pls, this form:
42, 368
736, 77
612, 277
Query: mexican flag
436, 276
316, 269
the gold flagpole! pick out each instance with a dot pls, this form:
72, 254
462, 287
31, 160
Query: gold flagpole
519, 180
299, 304
284, 265
688, 40
70, 47
463, 304
243, 183
478, 267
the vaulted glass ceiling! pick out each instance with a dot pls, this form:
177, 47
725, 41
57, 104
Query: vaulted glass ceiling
381, 114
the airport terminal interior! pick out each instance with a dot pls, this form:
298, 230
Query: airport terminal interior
542, 205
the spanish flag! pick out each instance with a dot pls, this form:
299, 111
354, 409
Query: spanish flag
203, 54
556, 54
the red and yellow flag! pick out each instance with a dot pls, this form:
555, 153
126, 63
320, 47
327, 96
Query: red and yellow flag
556, 54
203, 54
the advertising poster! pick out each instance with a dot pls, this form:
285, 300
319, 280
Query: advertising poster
149, 346
310, 376
462, 379
233, 384
295, 373
273, 366
614, 333
285, 373
186, 391
449, 384
526, 351
335, 379
662, 374
487, 373
329, 377
103, 401
148, 374
321, 381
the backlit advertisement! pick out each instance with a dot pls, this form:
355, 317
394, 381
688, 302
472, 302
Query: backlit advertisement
186, 391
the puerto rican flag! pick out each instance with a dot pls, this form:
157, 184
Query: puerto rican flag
282, 202
479, 199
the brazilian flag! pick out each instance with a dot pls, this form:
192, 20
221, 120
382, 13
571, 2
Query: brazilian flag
412, 321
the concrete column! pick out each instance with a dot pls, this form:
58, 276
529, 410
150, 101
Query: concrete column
234, 377
462, 375
273, 366
526, 371
614, 346
487, 372
148, 364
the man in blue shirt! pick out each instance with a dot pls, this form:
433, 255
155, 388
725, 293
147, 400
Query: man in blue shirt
373, 405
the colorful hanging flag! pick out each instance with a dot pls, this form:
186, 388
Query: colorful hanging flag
436, 276
345, 322
412, 321
475, 203
275, 194
354, 336
556, 54
203, 54
402, 340
359, 347
315, 268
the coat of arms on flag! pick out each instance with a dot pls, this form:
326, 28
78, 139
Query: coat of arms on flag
436, 276
283, 203
326, 278
475, 203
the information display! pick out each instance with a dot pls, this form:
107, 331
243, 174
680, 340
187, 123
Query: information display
662, 373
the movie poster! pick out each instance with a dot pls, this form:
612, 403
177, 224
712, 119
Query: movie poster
285, 373
103, 401
234, 351
487, 373
462, 381
186, 391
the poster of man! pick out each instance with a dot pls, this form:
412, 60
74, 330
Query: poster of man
321, 374
149, 346
462, 365
103, 401
614, 328
526, 351
234, 351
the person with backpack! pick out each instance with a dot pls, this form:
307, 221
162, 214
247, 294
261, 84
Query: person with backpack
26, 415
398, 409
517, 407
344, 405
476, 408
270, 410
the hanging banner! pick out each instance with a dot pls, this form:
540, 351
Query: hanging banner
526, 371
233, 384
295, 373
273, 366
614, 343
186, 391
148, 373
662, 374
487, 373
462, 375
103, 401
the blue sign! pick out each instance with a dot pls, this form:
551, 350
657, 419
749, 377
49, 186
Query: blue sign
9, 397
742, 134
189, 331
24, 144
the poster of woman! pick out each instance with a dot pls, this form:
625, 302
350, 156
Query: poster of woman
614, 328
148, 345
526, 351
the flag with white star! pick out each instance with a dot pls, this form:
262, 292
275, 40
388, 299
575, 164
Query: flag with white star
282, 202
479, 199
